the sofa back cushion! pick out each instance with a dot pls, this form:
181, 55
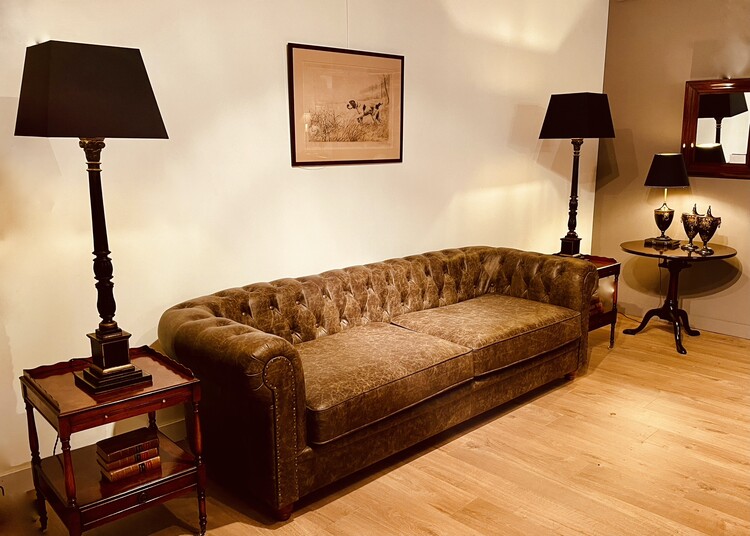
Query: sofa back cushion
305, 308
302, 309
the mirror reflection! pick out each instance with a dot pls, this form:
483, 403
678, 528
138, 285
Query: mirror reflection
723, 128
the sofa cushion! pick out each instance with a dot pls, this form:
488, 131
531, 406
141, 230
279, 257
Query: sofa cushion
502, 330
366, 373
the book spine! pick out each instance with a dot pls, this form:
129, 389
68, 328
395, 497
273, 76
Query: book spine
128, 460
131, 470
109, 457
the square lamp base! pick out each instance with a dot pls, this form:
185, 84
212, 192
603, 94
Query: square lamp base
661, 243
570, 246
111, 367
95, 381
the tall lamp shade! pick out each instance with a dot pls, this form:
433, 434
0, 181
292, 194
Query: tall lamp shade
667, 171
92, 92
576, 116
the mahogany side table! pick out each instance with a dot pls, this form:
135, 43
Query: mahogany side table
603, 310
71, 481
673, 260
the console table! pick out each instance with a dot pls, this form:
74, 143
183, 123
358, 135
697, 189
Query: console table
673, 260
71, 481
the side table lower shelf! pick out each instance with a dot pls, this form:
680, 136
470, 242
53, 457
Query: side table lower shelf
100, 501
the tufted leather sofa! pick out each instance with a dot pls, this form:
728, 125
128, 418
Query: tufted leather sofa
308, 380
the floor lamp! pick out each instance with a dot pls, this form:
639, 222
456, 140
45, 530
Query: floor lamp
92, 92
576, 116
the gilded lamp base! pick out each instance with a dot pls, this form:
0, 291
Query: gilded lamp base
663, 217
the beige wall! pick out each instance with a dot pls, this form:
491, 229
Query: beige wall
653, 47
219, 205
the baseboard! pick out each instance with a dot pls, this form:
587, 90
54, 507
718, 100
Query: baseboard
19, 479
734, 329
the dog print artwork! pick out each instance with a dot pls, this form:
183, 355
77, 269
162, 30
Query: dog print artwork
345, 107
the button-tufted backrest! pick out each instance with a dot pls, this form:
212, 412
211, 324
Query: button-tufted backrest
305, 308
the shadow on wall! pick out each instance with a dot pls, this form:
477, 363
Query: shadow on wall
703, 278
711, 277
608, 168
713, 57
643, 275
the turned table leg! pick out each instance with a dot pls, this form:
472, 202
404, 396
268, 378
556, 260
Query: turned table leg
196, 445
36, 461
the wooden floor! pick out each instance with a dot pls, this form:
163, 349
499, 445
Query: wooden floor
648, 442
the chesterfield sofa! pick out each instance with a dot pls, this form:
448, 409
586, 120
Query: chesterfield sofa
308, 380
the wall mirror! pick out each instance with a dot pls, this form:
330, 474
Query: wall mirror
716, 128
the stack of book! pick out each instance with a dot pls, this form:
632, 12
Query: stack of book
128, 454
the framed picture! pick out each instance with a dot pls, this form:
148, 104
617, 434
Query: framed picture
345, 106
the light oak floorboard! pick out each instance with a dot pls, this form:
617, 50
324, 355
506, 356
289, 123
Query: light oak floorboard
647, 442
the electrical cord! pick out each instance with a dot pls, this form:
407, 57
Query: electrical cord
662, 298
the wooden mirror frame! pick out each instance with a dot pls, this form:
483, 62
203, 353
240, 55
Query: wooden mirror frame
693, 91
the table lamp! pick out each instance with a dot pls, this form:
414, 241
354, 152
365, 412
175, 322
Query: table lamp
92, 92
667, 171
576, 116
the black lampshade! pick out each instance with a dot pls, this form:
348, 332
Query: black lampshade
667, 171
577, 115
720, 105
75, 90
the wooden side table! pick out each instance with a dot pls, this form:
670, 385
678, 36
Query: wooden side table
71, 481
674, 260
603, 309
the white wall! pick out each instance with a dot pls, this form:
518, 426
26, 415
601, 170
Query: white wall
219, 205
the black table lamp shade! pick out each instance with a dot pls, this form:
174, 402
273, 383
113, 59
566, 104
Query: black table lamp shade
92, 92
576, 116
76, 90
667, 171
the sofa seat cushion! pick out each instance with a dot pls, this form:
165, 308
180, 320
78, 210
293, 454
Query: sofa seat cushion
366, 373
502, 330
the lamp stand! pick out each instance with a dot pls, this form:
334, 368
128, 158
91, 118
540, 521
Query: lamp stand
717, 137
663, 217
111, 367
571, 242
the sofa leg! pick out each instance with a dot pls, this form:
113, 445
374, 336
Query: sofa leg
283, 513
570, 376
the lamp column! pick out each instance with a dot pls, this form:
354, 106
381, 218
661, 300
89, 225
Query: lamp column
571, 242
110, 346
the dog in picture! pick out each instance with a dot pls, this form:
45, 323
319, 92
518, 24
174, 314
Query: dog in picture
364, 109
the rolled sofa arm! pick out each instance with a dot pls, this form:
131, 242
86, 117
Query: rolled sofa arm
253, 382
554, 279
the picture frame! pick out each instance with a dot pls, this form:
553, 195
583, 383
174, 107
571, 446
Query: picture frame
345, 106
